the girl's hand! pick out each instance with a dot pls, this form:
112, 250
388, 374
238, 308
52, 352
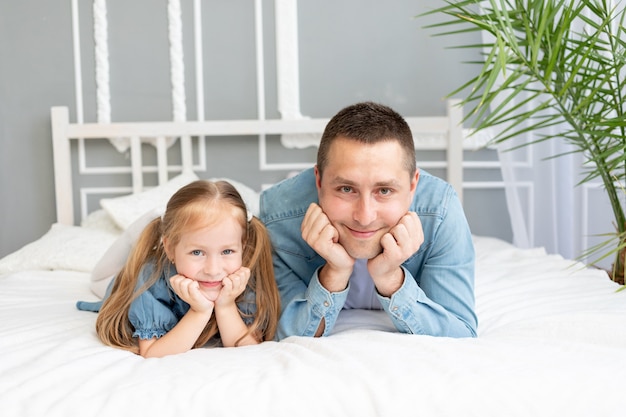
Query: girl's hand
189, 290
233, 329
232, 286
185, 333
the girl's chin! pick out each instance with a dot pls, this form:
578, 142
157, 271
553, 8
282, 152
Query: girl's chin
211, 292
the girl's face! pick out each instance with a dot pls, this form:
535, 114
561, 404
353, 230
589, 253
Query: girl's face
209, 254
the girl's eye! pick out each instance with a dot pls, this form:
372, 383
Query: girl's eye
227, 252
196, 252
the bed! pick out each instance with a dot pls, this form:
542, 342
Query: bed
551, 336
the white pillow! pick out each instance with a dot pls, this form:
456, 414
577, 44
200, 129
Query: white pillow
101, 220
62, 247
127, 209
113, 260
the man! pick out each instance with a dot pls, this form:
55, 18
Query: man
366, 229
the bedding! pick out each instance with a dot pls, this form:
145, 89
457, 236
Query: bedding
551, 342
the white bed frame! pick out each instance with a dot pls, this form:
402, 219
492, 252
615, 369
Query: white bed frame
443, 133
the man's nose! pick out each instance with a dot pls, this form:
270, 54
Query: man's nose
365, 210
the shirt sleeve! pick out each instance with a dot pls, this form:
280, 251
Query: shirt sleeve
152, 314
442, 304
306, 306
411, 311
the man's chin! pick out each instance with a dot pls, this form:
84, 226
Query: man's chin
363, 252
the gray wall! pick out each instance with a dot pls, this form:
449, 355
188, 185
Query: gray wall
350, 50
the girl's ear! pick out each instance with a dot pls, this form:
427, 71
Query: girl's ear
166, 248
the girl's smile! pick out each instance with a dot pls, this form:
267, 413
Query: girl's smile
210, 284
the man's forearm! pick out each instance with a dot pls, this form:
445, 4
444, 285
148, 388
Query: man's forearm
312, 313
413, 312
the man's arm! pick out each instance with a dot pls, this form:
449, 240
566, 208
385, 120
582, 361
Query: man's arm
307, 309
398, 245
443, 302
313, 290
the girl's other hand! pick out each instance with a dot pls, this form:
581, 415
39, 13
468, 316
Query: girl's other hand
232, 286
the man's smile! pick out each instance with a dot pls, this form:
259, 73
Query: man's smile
361, 234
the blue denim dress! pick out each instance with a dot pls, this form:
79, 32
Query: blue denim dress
158, 309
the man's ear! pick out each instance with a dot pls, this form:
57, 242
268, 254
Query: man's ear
415, 180
318, 177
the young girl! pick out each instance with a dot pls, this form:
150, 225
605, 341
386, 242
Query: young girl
202, 273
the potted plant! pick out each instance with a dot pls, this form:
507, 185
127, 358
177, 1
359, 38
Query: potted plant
548, 63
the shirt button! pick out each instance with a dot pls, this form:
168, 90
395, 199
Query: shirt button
395, 308
326, 303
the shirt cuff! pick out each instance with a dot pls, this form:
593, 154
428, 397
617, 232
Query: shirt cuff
398, 306
325, 304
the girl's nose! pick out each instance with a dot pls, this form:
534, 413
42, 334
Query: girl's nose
211, 267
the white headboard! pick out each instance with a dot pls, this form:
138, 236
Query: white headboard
442, 133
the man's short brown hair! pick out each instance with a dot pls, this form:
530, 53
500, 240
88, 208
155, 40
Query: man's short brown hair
368, 123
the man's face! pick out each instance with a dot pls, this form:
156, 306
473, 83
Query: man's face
364, 191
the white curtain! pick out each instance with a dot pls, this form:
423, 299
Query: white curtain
544, 203
548, 207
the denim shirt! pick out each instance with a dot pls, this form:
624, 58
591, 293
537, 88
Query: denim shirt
437, 296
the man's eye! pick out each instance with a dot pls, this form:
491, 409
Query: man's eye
385, 191
345, 189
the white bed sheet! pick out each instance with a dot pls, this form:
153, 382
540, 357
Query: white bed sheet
552, 342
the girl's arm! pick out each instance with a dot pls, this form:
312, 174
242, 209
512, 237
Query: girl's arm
178, 340
183, 336
232, 327
229, 320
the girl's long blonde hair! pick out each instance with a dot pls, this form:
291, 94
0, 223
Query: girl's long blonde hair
189, 208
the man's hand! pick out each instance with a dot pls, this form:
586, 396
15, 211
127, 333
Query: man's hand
402, 241
322, 236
